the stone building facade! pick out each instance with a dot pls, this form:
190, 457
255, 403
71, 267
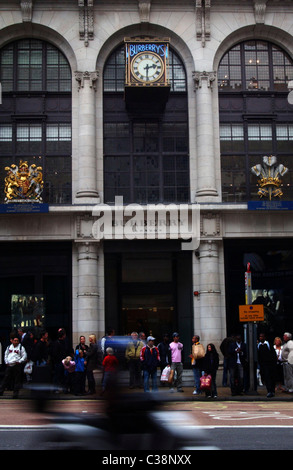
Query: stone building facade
62, 76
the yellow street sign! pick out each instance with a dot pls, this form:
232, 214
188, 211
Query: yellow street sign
251, 313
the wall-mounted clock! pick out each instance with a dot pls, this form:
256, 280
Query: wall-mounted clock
146, 62
147, 67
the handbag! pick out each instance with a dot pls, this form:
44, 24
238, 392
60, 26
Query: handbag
165, 374
205, 382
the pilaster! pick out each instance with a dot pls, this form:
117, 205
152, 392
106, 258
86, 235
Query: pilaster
206, 180
87, 161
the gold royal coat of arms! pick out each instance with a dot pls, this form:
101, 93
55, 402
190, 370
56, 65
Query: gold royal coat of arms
23, 183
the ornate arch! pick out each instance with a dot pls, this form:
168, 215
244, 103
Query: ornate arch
149, 30
267, 33
13, 33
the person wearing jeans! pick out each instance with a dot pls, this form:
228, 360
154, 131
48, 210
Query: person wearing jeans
176, 349
150, 360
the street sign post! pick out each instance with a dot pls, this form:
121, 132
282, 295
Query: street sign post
247, 312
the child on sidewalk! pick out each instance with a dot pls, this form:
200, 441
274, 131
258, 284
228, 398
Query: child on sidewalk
69, 366
80, 373
110, 368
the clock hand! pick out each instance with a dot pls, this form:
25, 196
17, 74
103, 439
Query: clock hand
147, 67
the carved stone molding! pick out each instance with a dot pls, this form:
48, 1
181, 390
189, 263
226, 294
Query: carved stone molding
198, 78
210, 225
92, 77
87, 251
203, 23
144, 9
86, 20
84, 226
26, 10
260, 10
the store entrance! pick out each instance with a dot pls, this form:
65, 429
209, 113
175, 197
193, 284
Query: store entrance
151, 314
148, 287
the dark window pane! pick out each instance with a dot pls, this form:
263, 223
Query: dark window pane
116, 138
32, 65
57, 179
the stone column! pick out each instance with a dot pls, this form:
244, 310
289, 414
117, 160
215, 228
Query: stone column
206, 175
209, 295
87, 294
87, 160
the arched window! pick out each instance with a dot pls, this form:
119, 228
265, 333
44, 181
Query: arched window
146, 153
35, 115
255, 117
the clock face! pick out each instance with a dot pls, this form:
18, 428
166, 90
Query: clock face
147, 67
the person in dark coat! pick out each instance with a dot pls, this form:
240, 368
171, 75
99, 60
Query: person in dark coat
267, 360
42, 372
210, 366
59, 351
224, 348
237, 365
92, 363
150, 361
164, 351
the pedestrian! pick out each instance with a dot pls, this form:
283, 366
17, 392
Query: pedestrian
237, 365
197, 355
224, 348
14, 358
80, 372
59, 350
41, 351
110, 368
132, 355
278, 347
287, 356
142, 337
150, 361
267, 360
29, 343
42, 368
210, 367
69, 369
107, 340
164, 351
21, 333
92, 363
82, 344
176, 348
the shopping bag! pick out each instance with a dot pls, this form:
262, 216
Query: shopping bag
28, 368
165, 374
205, 382
171, 376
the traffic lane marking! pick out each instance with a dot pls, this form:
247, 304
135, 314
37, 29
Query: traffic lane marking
241, 414
244, 415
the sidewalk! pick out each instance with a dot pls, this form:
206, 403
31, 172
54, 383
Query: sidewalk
224, 394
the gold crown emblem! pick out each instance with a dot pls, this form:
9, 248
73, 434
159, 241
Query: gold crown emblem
23, 182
